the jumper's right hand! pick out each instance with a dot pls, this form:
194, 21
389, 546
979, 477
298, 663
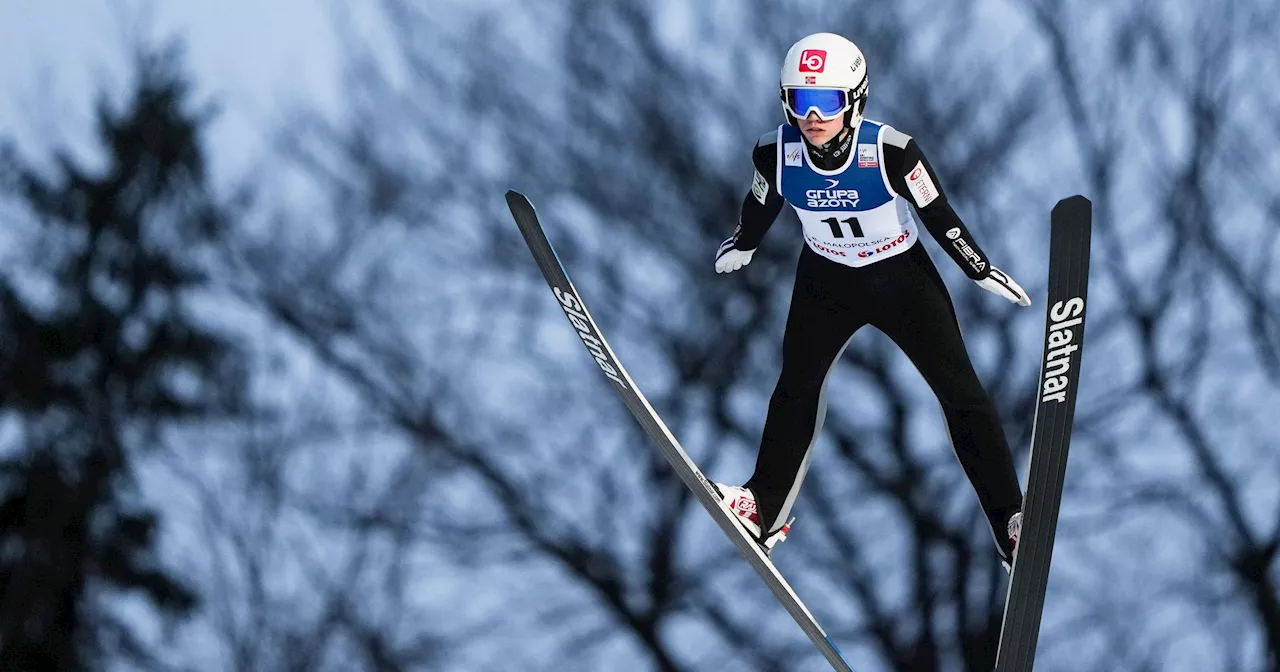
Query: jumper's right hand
730, 259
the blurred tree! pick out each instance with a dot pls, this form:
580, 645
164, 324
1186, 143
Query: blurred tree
99, 352
638, 153
1175, 500
453, 488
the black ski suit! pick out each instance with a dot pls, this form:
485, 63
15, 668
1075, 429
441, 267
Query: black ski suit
872, 277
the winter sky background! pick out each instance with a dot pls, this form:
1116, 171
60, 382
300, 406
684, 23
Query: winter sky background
259, 60
252, 58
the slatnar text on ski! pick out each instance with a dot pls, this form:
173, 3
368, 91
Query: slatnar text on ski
1058, 348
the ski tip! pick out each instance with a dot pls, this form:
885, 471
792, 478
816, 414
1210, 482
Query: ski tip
1076, 201
519, 205
1071, 212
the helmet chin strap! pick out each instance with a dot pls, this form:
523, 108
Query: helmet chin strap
834, 152
838, 137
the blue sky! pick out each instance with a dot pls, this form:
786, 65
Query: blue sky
251, 57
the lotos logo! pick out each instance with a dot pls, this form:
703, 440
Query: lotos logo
823, 248
813, 60
887, 246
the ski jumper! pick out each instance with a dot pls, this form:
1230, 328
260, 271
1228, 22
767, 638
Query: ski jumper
861, 265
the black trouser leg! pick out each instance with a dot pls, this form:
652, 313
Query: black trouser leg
820, 323
927, 331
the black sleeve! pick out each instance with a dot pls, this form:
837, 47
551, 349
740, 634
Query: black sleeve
912, 178
762, 204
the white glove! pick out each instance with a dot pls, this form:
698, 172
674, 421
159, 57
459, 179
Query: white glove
999, 283
729, 259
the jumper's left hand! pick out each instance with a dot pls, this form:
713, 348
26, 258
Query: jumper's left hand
998, 282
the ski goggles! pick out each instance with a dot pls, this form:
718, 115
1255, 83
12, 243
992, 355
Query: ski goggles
828, 103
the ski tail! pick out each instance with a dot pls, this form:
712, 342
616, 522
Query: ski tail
575, 310
1070, 226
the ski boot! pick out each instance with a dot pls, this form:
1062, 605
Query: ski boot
742, 502
1014, 528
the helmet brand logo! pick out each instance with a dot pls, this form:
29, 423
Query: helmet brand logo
813, 60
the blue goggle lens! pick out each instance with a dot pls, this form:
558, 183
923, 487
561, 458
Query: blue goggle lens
828, 103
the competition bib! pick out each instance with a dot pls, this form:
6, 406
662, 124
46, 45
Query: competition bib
849, 215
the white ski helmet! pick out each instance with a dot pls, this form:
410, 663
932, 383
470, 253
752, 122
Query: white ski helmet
827, 73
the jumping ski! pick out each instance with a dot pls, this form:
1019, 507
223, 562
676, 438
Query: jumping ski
1070, 225
575, 310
